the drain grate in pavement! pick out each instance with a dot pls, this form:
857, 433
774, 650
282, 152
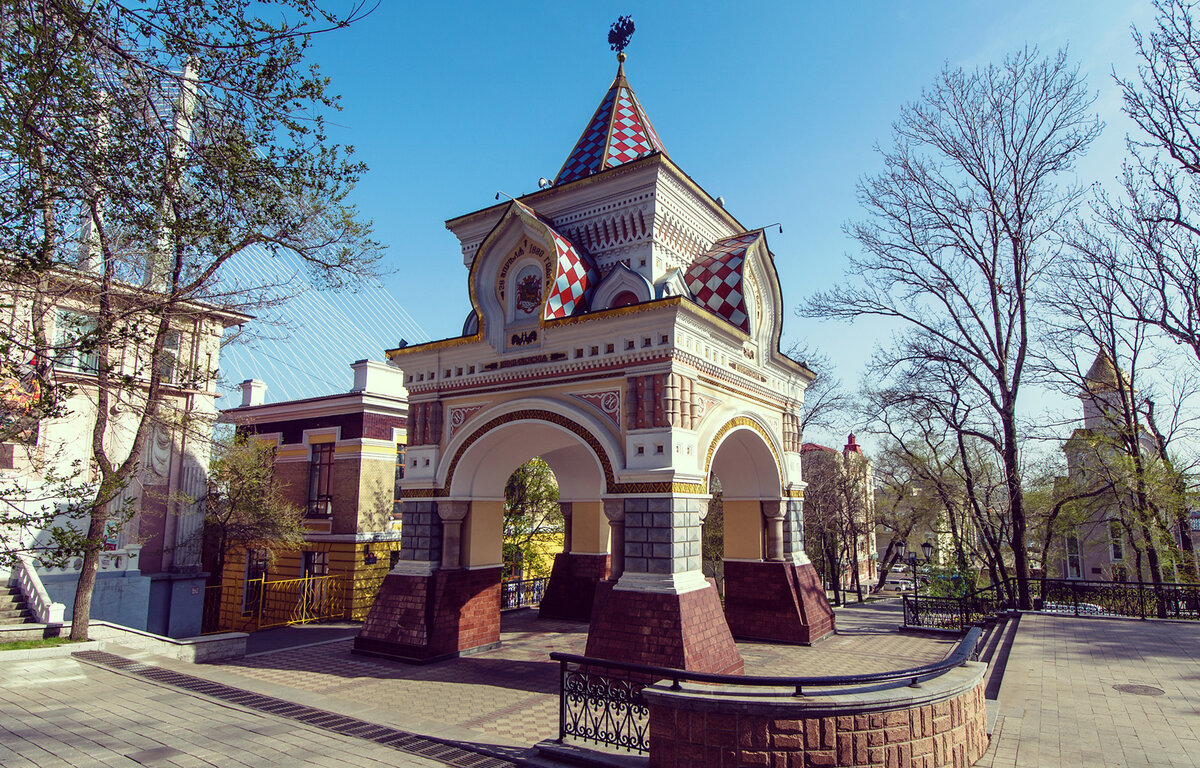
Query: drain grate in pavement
1139, 690
412, 743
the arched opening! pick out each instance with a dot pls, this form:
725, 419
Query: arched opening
532, 490
771, 592
624, 299
742, 477
533, 529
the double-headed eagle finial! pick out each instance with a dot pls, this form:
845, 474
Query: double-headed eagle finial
619, 34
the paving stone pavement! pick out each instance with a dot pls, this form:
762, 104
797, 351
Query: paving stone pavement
510, 695
1058, 705
60, 712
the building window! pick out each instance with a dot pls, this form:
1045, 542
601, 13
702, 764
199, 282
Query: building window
314, 564
1074, 560
1117, 542
168, 361
256, 574
74, 341
320, 476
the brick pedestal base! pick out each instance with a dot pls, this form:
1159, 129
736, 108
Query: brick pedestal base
942, 724
572, 586
426, 618
781, 602
684, 631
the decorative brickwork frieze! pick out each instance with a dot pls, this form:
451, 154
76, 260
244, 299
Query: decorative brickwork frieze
426, 422
646, 396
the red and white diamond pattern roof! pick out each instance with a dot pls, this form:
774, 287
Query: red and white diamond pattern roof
575, 278
619, 132
574, 282
715, 279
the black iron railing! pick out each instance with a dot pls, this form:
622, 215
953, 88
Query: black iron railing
518, 593
602, 701
1074, 597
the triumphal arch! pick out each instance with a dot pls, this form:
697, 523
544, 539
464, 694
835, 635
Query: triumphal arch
625, 327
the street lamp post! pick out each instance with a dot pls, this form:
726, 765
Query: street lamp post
913, 561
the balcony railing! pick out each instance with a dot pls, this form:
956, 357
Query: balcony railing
320, 509
111, 561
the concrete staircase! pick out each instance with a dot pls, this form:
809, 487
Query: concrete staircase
13, 610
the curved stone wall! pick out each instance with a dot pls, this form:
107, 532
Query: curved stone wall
940, 723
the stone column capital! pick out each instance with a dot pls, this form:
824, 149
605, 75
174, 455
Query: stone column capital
773, 509
453, 510
614, 510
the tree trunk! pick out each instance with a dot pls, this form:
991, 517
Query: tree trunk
82, 607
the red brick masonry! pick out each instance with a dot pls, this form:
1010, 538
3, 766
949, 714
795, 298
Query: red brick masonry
424, 618
685, 631
942, 724
776, 601
572, 586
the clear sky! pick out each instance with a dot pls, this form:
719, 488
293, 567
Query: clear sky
775, 106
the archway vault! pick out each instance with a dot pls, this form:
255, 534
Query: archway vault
752, 453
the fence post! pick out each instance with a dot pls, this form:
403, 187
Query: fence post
562, 700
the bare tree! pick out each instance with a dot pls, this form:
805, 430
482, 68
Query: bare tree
1136, 404
1157, 274
826, 400
962, 224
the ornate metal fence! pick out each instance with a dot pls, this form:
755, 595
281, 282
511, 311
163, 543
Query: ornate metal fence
601, 702
1073, 597
517, 593
603, 705
953, 612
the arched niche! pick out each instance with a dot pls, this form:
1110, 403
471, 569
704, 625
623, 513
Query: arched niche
622, 287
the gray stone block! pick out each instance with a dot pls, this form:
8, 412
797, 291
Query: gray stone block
659, 566
636, 564
658, 534
636, 504
658, 505
661, 550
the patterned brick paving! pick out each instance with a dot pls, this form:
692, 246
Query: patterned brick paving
510, 694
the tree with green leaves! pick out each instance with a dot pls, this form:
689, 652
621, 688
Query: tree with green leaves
245, 506
147, 145
533, 519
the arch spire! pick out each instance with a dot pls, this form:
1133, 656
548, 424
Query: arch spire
619, 131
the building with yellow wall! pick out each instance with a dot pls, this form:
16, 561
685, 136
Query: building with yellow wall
339, 457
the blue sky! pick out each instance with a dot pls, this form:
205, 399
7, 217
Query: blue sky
775, 106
